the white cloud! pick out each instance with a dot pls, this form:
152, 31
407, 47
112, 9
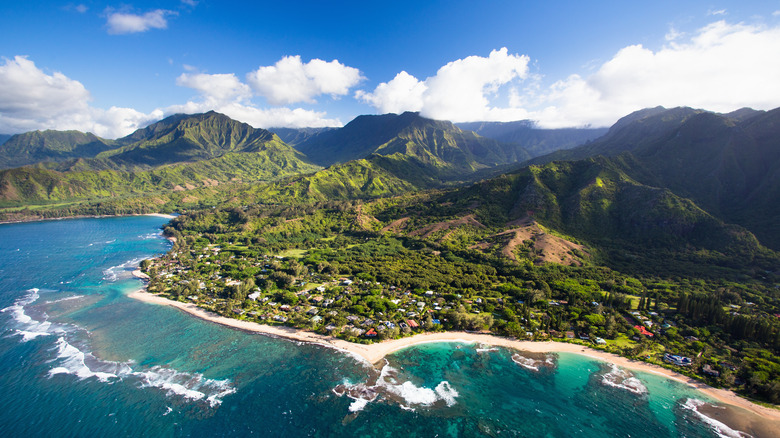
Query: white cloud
224, 93
403, 93
124, 23
716, 12
721, 68
291, 81
81, 8
460, 91
216, 89
32, 99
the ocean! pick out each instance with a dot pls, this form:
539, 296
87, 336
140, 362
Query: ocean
79, 358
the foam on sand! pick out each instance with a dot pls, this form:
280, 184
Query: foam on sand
719, 428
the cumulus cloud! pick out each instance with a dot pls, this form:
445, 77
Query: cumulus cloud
291, 81
124, 23
460, 91
226, 94
722, 67
403, 93
216, 89
32, 99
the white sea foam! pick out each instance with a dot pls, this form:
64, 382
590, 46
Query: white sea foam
191, 386
719, 428
446, 392
113, 273
29, 336
526, 362
150, 236
358, 404
619, 378
84, 365
30, 328
406, 393
74, 297
73, 361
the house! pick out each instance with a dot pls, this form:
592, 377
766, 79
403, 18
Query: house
707, 369
570, 335
254, 295
601, 341
643, 331
412, 323
371, 333
678, 360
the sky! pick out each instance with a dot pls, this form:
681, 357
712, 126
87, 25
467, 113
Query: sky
112, 67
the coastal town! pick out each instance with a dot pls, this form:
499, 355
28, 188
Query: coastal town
285, 290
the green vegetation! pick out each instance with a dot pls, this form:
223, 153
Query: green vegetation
631, 248
343, 268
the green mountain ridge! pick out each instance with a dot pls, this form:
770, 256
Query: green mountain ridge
50, 146
439, 143
728, 164
634, 227
178, 153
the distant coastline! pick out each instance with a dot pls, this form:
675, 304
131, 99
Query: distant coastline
85, 216
375, 353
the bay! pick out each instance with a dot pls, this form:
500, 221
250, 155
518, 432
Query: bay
80, 358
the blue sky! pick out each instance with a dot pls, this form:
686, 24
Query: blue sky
110, 68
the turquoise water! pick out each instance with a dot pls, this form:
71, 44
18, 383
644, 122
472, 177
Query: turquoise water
79, 358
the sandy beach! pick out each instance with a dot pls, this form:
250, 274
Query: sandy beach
374, 353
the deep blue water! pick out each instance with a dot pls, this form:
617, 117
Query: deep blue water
80, 358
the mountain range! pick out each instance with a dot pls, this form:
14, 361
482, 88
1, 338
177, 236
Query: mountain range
657, 177
729, 164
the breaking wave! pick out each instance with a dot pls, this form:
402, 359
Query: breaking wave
30, 328
534, 363
619, 378
406, 393
71, 360
719, 428
191, 386
114, 273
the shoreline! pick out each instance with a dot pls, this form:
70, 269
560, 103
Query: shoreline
376, 352
85, 216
